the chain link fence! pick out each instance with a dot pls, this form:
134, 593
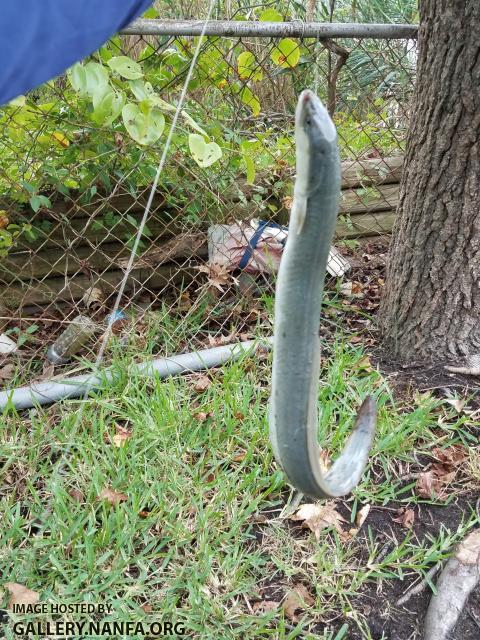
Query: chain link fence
79, 155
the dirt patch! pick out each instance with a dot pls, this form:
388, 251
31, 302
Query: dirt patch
378, 600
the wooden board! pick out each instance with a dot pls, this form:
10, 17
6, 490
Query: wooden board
56, 262
52, 290
372, 171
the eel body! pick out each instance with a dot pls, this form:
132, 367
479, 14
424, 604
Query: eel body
296, 352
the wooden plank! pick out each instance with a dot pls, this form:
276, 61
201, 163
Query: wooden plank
73, 208
378, 198
374, 171
56, 262
85, 231
365, 225
72, 289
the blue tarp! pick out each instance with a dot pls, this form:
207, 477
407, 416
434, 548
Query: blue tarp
39, 39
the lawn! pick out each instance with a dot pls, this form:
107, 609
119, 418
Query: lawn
164, 501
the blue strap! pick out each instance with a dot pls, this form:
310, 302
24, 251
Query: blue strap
252, 243
39, 39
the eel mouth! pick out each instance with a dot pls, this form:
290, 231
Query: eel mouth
312, 115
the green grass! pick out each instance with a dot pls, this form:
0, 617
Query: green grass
202, 535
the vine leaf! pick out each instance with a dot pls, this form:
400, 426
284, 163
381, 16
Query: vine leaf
204, 153
286, 53
141, 90
251, 100
109, 107
271, 15
193, 123
144, 124
126, 67
248, 67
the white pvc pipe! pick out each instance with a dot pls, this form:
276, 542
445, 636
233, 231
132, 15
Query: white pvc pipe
50, 391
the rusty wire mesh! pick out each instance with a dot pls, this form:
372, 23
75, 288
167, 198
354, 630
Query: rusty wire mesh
73, 190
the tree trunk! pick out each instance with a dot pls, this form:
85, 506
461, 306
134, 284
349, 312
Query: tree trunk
431, 304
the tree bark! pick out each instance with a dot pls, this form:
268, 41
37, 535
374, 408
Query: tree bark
431, 305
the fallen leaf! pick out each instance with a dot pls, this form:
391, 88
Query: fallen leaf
122, 436
218, 275
405, 517
362, 515
451, 456
20, 594
297, 599
7, 372
352, 288
324, 460
468, 551
48, 370
111, 496
201, 416
318, 517
429, 486
4, 220
346, 288
77, 495
456, 403
147, 607
202, 383
264, 606
364, 363
93, 298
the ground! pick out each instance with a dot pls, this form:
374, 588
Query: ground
163, 499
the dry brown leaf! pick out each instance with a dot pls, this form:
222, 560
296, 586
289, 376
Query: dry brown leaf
93, 298
238, 457
297, 599
451, 456
111, 496
218, 275
362, 515
264, 606
122, 436
147, 607
468, 551
456, 403
318, 517
77, 495
7, 372
324, 460
48, 370
4, 220
201, 383
405, 517
430, 486
352, 288
364, 363
20, 594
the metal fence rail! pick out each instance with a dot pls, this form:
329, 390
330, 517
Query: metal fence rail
75, 173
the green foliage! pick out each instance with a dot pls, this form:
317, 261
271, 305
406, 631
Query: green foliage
248, 67
286, 53
106, 121
204, 154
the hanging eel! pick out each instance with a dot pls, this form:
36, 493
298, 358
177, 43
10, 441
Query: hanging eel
298, 298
